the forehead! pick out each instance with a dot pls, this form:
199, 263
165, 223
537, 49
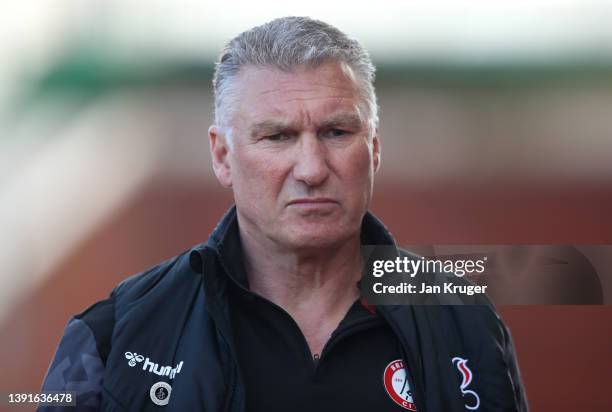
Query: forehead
305, 95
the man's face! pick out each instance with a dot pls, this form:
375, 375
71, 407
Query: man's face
302, 160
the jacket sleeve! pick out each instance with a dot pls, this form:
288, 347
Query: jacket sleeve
78, 364
497, 364
492, 357
520, 395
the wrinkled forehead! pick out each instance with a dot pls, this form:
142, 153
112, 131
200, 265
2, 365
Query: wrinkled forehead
305, 95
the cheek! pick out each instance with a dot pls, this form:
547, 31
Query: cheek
255, 176
359, 165
356, 175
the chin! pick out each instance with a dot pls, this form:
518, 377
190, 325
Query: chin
315, 238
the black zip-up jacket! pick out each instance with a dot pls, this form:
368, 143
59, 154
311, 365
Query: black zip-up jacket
171, 324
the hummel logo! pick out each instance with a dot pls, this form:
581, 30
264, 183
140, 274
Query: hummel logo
153, 367
133, 357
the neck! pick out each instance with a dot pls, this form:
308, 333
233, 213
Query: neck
321, 280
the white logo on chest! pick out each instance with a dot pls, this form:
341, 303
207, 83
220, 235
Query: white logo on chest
472, 400
152, 367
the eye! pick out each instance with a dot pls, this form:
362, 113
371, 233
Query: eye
276, 137
336, 133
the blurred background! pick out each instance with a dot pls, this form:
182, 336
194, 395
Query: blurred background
496, 127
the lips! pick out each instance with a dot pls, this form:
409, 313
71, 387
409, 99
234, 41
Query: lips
312, 201
310, 206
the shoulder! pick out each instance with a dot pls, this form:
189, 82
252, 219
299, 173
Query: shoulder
139, 284
96, 323
161, 279
98, 320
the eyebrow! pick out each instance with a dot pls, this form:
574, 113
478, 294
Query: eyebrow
267, 126
350, 120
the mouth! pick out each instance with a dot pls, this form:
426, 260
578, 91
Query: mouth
312, 201
313, 204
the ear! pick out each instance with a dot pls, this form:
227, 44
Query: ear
220, 151
376, 151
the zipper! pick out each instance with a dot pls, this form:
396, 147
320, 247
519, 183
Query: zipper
351, 328
315, 358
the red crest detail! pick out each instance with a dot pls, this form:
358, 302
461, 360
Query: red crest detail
395, 379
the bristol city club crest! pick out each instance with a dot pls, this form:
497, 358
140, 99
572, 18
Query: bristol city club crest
395, 379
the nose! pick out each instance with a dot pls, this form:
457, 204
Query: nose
311, 161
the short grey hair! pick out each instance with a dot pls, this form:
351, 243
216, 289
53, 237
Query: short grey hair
287, 43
